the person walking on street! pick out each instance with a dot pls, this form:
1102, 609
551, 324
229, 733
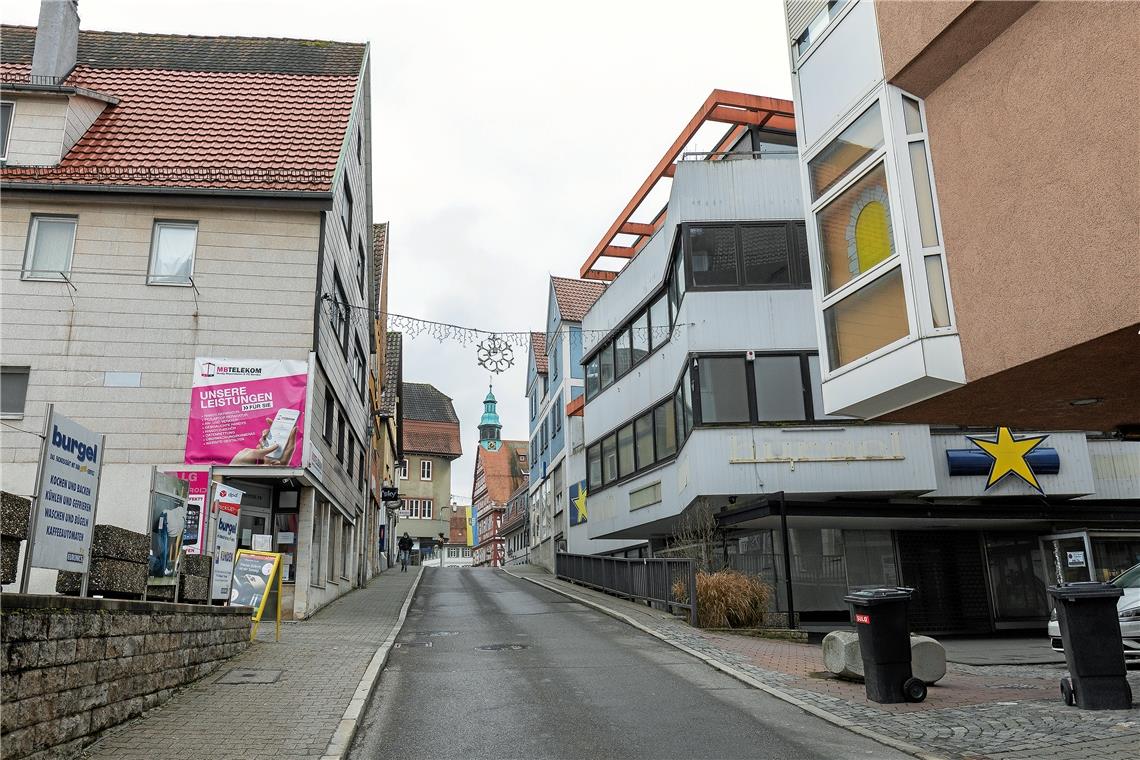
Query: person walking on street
405, 546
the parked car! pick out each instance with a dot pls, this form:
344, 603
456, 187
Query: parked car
1127, 609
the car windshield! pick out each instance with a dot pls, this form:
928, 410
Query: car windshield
1130, 578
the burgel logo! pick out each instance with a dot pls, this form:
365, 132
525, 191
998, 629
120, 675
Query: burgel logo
86, 453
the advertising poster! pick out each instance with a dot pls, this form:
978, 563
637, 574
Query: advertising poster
68, 487
227, 506
247, 412
253, 579
168, 511
197, 518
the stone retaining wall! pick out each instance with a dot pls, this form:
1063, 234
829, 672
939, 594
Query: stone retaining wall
74, 667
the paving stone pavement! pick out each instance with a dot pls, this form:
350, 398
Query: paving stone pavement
1011, 713
321, 660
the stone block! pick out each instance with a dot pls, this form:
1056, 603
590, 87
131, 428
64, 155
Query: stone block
842, 656
927, 659
124, 646
197, 565
112, 542
14, 515
110, 577
194, 588
9, 559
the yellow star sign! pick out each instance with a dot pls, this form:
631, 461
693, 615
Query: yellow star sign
1008, 456
580, 504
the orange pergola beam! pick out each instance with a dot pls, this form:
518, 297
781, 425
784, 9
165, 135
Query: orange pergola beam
575, 407
732, 107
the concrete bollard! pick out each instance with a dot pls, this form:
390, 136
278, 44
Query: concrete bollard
842, 657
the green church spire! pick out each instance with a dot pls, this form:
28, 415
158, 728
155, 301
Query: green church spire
490, 428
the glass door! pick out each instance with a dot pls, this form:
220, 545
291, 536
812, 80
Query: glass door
1017, 587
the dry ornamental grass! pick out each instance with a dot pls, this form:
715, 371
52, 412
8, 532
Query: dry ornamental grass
727, 599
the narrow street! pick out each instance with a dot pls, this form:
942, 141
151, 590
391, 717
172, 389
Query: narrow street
583, 685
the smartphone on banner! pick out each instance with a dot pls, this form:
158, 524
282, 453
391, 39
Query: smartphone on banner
279, 431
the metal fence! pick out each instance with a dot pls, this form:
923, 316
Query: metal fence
649, 580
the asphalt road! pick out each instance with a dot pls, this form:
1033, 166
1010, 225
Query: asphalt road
583, 685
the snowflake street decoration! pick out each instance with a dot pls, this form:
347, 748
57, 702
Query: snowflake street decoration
495, 354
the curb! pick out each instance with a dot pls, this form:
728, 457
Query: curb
740, 675
346, 730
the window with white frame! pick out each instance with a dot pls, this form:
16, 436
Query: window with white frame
425, 469
403, 469
51, 244
172, 253
7, 109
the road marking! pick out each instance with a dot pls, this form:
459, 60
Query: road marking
740, 675
341, 739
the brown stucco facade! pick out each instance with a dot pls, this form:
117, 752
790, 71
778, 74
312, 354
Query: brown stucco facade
1033, 113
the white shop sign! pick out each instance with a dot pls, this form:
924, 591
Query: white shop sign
66, 493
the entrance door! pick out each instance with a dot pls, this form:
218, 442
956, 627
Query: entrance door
256, 508
947, 573
1017, 590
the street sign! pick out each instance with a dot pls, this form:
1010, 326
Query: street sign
389, 493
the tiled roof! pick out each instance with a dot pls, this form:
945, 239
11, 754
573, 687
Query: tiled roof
503, 470
575, 297
438, 438
393, 363
379, 256
202, 112
423, 401
538, 348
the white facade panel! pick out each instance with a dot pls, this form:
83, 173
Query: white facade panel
844, 67
1116, 469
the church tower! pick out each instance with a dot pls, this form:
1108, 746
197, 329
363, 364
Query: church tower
490, 436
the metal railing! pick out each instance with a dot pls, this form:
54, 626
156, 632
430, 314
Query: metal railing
649, 580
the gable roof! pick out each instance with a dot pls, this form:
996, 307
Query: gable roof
575, 297
390, 383
503, 470
435, 438
232, 113
538, 349
423, 401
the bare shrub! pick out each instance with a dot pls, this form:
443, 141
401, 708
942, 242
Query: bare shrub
697, 537
727, 599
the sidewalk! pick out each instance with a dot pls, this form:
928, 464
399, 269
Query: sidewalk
315, 671
1006, 712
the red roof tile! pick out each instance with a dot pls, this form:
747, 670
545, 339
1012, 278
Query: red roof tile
503, 470
538, 348
266, 124
575, 297
439, 438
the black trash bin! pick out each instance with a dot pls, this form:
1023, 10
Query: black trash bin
1090, 632
884, 643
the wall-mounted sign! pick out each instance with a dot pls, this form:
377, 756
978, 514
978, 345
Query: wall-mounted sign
1075, 559
68, 486
247, 412
1009, 456
389, 493
578, 503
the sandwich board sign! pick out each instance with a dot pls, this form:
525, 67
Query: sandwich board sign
62, 518
254, 576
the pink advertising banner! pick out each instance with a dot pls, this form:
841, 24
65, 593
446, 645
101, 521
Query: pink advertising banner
247, 412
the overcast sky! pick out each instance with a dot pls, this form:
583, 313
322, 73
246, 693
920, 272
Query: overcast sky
506, 138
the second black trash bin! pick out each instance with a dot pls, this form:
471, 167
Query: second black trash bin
884, 644
1090, 632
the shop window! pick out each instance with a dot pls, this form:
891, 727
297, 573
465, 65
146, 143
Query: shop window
723, 390
713, 254
643, 435
866, 320
317, 551
855, 229
862, 138
334, 543
779, 389
625, 451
